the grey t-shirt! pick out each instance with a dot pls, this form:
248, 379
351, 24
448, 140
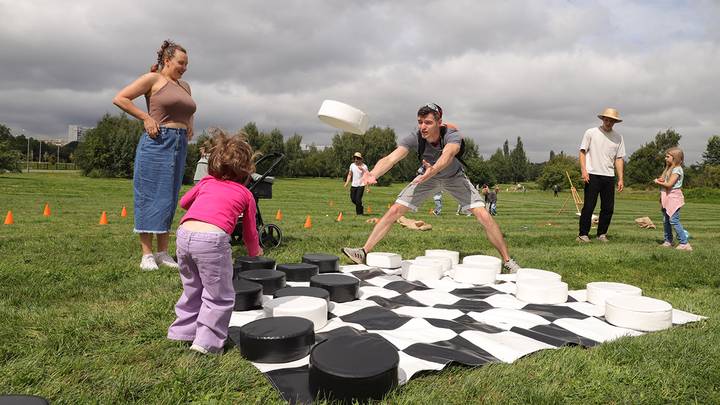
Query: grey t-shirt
432, 152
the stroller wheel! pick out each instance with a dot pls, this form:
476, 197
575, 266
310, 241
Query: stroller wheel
270, 236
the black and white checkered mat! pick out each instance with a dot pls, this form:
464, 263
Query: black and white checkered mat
434, 323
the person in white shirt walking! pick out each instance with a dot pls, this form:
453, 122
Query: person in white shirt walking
602, 153
357, 188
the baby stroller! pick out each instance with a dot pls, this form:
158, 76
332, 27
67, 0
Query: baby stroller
260, 185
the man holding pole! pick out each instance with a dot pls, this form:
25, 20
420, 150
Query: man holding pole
601, 156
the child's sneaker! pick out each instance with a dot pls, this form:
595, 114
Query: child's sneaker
357, 255
511, 266
684, 246
202, 350
164, 259
666, 244
148, 263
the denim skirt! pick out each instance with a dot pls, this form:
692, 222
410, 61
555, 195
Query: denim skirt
158, 174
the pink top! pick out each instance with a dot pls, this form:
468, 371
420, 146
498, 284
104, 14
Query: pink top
220, 202
672, 200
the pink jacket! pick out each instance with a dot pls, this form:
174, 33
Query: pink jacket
220, 202
672, 200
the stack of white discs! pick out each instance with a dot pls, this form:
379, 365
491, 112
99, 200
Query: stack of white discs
639, 313
472, 274
445, 262
598, 292
534, 274
383, 259
485, 262
453, 255
417, 271
311, 308
542, 291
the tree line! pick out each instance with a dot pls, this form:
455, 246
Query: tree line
109, 151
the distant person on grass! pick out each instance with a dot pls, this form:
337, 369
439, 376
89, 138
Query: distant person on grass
357, 185
160, 154
203, 244
201, 168
601, 155
672, 198
442, 171
490, 199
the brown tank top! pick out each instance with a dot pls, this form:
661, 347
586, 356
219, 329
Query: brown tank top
172, 103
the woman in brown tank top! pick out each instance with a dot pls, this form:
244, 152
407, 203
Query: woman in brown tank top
161, 151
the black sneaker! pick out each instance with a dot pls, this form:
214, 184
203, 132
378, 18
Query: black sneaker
357, 255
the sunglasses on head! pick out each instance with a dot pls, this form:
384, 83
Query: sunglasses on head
434, 107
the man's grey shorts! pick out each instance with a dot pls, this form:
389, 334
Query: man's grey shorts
459, 186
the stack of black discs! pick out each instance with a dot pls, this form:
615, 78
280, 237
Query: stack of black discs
271, 280
245, 263
303, 292
348, 368
279, 339
326, 263
342, 288
248, 295
298, 271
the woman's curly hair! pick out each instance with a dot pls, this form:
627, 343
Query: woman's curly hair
231, 157
166, 51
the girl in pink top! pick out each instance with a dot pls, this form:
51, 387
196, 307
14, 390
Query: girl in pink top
672, 199
203, 244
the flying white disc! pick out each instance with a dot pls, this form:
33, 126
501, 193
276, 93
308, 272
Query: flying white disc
343, 116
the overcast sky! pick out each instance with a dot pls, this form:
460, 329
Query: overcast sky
541, 70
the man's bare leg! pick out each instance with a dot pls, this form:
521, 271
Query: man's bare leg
492, 230
384, 224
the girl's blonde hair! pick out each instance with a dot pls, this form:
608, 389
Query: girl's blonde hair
231, 157
678, 159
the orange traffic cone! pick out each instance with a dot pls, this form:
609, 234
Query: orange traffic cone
278, 216
123, 213
103, 219
308, 223
339, 218
46, 211
369, 210
9, 218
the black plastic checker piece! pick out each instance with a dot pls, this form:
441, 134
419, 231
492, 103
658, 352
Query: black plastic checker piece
276, 340
245, 263
271, 280
248, 295
298, 271
348, 368
326, 263
304, 292
342, 288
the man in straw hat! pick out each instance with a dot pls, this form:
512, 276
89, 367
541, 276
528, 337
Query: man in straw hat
357, 188
601, 156
438, 147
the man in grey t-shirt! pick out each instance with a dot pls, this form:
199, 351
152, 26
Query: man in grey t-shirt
441, 171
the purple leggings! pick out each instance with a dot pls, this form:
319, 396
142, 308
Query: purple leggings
204, 308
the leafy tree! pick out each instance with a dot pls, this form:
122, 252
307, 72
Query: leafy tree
253, 135
519, 163
9, 159
500, 166
109, 148
480, 171
554, 173
552, 155
647, 162
711, 155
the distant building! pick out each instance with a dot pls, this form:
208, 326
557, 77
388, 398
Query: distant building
306, 147
77, 133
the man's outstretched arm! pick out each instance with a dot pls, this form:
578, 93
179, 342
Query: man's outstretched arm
383, 165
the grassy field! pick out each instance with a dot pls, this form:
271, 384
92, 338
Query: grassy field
80, 323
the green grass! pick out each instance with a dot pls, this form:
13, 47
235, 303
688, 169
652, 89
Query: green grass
79, 323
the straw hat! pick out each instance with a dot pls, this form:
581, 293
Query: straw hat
357, 155
610, 113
